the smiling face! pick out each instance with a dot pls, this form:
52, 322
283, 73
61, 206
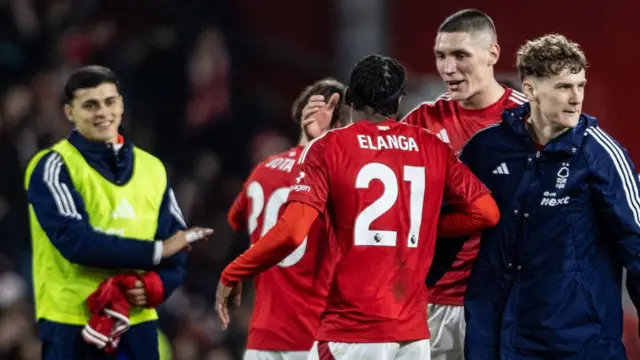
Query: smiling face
465, 62
96, 112
558, 98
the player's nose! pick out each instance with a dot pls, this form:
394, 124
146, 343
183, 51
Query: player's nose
449, 66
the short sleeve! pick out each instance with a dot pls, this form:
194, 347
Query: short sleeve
461, 185
311, 183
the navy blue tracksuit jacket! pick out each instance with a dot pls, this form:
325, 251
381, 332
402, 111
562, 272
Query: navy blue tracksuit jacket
547, 280
79, 243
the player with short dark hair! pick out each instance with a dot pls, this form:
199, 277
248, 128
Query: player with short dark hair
284, 328
380, 184
468, 21
466, 51
106, 229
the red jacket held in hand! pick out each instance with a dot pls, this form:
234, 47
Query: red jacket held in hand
110, 308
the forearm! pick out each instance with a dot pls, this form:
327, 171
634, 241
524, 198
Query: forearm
470, 218
288, 233
92, 248
59, 210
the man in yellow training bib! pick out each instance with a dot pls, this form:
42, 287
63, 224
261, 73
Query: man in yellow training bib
99, 207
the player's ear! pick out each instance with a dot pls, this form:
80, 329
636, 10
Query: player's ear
494, 54
68, 112
528, 88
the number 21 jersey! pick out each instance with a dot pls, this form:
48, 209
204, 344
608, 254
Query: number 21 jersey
382, 185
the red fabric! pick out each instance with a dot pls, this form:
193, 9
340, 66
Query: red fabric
303, 275
154, 288
104, 330
383, 252
324, 352
274, 174
455, 125
288, 233
120, 139
469, 219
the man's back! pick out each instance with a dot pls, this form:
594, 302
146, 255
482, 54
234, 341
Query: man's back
301, 275
383, 184
455, 125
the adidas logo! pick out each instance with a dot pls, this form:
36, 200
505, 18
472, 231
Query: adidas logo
501, 169
124, 210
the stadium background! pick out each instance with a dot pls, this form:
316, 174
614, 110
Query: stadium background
208, 86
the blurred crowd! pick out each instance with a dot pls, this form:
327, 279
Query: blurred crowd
175, 66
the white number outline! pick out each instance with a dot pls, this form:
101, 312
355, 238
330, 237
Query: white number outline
255, 193
416, 176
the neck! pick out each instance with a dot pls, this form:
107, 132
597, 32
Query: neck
111, 141
304, 139
541, 129
364, 115
485, 97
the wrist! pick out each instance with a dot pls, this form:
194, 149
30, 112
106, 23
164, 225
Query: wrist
227, 280
159, 252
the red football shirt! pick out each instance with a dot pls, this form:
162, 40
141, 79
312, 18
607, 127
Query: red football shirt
455, 125
383, 184
290, 296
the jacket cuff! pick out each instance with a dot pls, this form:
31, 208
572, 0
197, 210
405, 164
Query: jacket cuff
157, 252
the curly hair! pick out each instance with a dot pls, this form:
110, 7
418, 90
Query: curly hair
549, 55
377, 82
325, 87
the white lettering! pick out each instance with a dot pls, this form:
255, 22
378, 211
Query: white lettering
393, 141
361, 141
551, 202
306, 188
381, 144
282, 164
387, 142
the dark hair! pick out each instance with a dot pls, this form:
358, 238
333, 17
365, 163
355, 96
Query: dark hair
88, 77
377, 82
549, 55
469, 21
325, 87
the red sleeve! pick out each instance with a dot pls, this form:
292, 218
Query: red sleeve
311, 185
236, 217
470, 218
288, 233
462, 186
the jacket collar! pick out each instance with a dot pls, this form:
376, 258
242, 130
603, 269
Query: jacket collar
92, 148
567, 142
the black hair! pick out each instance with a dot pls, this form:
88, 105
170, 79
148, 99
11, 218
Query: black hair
325, 87
378, 82
469, 21
88, 77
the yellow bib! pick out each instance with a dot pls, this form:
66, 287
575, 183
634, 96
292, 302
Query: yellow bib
131, 210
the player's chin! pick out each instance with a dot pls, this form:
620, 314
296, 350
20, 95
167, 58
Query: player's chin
104, 135
459, 94
569, 120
